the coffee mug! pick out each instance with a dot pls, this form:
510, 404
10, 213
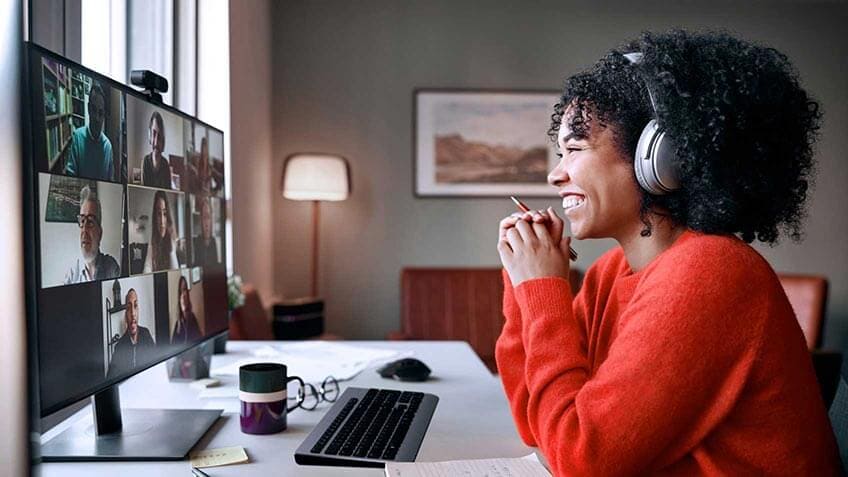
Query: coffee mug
262, 392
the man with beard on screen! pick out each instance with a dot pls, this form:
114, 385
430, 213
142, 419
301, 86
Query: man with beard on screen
93, 264
136, 345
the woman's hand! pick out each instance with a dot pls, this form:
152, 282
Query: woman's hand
548, 217
531, 246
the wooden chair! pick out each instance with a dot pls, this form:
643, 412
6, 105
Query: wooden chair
808, 296
466, 304
455, 304
251, 321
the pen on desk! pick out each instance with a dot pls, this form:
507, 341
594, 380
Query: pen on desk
198, 473
571, 253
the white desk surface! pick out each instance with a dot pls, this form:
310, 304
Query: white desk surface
472, 419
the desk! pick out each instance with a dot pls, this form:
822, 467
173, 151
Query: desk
472, 420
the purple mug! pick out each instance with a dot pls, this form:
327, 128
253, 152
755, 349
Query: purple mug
262, 392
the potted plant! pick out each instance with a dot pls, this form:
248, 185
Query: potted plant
235, 299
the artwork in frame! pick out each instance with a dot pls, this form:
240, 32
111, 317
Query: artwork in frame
483, 143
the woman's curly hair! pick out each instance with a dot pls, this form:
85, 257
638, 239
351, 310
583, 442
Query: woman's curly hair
743, 126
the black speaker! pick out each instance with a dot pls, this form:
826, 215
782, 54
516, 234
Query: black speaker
298, 319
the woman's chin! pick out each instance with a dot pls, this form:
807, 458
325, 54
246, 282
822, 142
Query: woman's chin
578, 231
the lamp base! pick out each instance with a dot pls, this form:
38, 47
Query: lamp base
298, 318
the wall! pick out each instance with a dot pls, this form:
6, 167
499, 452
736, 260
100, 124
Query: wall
343, 76
253, 184
14, 450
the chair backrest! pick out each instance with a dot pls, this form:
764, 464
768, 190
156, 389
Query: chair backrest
455, 304
250, 321
808, 296
839, 419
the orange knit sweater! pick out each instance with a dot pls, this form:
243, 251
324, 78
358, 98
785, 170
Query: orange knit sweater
694, 365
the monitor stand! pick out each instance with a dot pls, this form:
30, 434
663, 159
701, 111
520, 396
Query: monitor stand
135, 434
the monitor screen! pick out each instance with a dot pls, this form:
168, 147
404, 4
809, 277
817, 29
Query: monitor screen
126, 229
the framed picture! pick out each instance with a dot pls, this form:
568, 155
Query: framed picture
63, 198
483, 143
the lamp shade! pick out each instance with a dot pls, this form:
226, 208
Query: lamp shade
313, 176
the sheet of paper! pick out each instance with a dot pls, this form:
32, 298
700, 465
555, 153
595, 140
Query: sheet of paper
216, 457
219, 393
528, 466
229, 406
315, 360
205, 383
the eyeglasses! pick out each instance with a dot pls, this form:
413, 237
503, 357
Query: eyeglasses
308, 397
87, 220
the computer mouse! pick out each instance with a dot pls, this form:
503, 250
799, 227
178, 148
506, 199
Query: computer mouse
406, 369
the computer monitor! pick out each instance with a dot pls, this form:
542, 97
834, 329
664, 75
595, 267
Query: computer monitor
126, 255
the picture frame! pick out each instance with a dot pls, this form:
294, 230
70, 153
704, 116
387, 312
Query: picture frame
482, 143
63, 198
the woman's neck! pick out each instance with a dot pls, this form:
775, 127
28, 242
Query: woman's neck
640, 251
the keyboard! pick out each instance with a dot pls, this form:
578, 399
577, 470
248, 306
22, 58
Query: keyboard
367, 427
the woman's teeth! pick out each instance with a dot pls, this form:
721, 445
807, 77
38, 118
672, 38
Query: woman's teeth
572, 201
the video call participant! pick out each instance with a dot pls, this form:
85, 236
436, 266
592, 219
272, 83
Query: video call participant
162, 248
203, 180
186, 329
93, 264
155, 169
136, 346
90, 153
205, 247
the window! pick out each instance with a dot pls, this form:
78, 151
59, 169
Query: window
104, 37
150, 40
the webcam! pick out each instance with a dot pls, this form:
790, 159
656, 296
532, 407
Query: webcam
153, 84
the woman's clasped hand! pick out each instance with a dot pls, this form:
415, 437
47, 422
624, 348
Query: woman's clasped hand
531, 245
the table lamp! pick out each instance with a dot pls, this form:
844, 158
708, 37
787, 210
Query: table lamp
316, 177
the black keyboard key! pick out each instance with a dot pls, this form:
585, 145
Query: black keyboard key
390, 453
358, 431
370, 394
325, 437
373, 430
385, 434
398, 436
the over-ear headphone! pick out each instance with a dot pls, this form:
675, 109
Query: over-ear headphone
655, 164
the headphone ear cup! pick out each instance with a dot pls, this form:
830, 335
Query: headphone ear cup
654, 163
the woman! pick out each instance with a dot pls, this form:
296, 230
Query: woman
205, 247
680, 354
204, 175
162, 250
186, 329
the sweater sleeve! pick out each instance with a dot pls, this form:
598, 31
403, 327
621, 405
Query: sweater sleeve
509, 354
686, 341
512, 359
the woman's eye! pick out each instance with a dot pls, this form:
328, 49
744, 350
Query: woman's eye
573, 149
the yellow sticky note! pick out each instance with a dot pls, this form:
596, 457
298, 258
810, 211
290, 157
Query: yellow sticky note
216, 457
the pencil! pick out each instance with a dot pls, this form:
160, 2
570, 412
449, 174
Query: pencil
571, 253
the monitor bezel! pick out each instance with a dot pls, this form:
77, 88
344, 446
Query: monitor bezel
32, 254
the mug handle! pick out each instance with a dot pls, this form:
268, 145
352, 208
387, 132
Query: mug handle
300, 398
